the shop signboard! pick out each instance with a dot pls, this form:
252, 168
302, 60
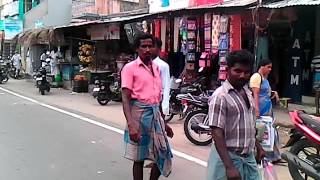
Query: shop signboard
10, 9
193, 3
12, 27
104, 32
113, 31
294, 77
156, 6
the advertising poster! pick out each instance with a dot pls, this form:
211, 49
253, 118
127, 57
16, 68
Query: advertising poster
12, 28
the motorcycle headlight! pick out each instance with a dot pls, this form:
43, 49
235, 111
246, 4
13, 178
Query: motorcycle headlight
39, 82
96, 82
102, 87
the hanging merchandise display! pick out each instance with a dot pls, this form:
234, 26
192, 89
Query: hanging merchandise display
224, 42
215, 33
163, 32
191, 40
204, 60
224, 24
176, 34
235, 32
157, 28
183, 34
207, 32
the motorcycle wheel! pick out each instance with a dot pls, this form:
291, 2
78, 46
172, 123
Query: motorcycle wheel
168, 118
12, 74
5, 79
302, 148
42, 91
102, 102
197, 116
48, 90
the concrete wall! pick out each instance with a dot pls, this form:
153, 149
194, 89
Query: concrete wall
37, 13
50, 13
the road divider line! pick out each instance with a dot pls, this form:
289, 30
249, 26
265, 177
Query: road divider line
117, 130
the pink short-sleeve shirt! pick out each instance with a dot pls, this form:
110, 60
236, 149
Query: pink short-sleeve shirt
145, 86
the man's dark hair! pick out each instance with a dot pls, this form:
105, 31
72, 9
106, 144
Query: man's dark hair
264, 62
157, 42
140, 37
242, 57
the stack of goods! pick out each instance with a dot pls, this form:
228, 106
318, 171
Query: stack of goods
86, 54
80, 84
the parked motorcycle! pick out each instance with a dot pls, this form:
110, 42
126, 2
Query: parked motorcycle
41, 81
304, 155
196, 123
3, 72
109, 90
178, 106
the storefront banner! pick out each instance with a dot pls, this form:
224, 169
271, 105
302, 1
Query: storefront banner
194, 3
113, 31
104, 32
295, 70
12, 28
156, 6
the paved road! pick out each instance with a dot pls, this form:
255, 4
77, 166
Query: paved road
39, 143
84, 104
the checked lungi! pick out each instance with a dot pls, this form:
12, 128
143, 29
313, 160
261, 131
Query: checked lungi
153, 144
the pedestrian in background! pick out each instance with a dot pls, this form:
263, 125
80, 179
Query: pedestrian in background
232, 119
164, 74
263, 96
145, 135
16, 62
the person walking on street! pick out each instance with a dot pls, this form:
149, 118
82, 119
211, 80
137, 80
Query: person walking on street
16, 62
263, 96
232, 119
146, 133
164, 74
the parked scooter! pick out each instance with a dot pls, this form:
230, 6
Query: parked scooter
41, 81
304, 157
106, 91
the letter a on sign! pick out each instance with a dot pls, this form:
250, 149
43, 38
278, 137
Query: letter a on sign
296, 44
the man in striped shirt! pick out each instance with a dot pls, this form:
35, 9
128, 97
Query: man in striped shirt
232, 118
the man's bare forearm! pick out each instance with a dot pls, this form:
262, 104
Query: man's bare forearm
126, 105
220, 144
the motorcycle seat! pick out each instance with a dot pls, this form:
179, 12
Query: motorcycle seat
185, 90
311, 122
202, 99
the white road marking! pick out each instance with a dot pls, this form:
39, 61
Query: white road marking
119, 131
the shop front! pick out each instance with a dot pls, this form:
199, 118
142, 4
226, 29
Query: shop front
286, 36
200, 35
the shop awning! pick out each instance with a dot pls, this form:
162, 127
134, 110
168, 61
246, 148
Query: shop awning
41, 36
108, 20
288, 3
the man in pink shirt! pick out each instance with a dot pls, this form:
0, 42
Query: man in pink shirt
145, 135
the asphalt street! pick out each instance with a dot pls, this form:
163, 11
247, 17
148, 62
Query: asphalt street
85, 106
38, 143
